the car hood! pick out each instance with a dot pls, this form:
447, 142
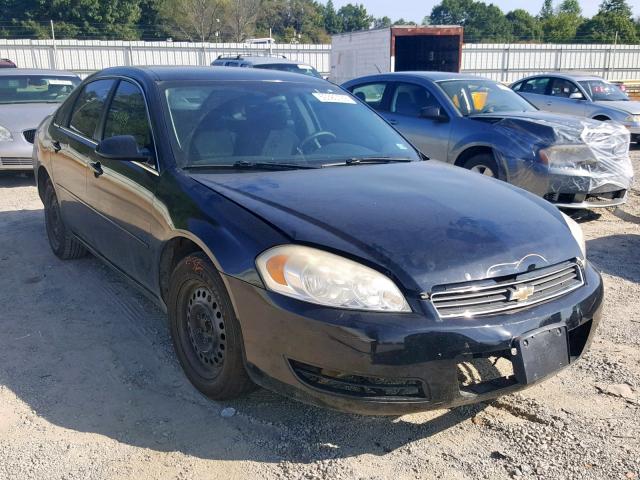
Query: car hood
544, 127
422, 223
24, 116
631, 107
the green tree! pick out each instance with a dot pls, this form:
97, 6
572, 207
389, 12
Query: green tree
547, 10
524, 26
481, 22
354, 18
194, 20
402, 21
332, 23
613, 22
563, 24
383, 22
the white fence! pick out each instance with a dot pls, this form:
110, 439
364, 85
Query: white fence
503, 62
87, 56
509, 62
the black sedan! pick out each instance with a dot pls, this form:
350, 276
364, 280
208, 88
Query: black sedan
300, 243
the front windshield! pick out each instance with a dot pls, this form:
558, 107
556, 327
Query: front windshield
291, 67
603, 91
35, 88
221, 124
472, 97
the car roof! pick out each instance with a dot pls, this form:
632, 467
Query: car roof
431, 76
209, 73
36, 71
575, 76
257, 60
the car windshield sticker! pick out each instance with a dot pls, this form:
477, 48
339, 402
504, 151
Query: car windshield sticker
334, 98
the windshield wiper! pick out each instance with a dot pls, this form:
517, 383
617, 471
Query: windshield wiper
368, 161
245, 165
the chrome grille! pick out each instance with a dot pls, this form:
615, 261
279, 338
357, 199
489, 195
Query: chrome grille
29, 135
14, 162
506, 293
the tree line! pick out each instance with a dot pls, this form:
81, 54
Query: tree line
303, 21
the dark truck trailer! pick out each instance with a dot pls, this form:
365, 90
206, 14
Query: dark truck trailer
396, 49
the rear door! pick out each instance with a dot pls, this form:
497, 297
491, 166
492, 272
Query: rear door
121, 193
535, 90
74, 139
431, 137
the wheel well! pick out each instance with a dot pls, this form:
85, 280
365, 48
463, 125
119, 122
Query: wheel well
43, 176
602, 118
174, 251
472, 152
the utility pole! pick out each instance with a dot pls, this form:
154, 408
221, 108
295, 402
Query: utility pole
55, 51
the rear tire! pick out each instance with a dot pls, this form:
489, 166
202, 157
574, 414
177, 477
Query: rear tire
483, 164
205, 331
61, 240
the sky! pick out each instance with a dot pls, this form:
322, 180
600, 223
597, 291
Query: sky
416, 10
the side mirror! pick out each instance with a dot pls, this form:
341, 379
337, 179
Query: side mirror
121, 147
576, 96
434, 113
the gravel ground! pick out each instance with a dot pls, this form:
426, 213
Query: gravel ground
90, 388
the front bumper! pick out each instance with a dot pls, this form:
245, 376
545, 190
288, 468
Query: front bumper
319, 355
16, 154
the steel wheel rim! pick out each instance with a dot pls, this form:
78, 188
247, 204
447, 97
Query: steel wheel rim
204, 332
483, 170
54, 222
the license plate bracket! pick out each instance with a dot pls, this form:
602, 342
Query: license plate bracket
540, 353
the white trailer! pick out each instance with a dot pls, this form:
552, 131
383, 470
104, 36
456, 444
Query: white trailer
395, 49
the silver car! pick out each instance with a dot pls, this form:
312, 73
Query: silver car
26, 98
581, 95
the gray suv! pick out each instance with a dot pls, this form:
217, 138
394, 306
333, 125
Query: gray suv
581, 95
266, 62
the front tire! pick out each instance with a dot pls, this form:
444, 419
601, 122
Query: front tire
61, 240
484, 164
205, 331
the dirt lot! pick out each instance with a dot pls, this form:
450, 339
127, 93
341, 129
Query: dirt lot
90, 388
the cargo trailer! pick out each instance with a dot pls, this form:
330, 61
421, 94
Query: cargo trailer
396, 49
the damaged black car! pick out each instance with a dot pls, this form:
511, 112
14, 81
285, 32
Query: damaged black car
300, 243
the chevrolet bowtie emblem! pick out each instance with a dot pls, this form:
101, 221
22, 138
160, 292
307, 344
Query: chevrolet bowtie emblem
521, 292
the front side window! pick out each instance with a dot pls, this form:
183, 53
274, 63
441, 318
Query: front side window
599, 90
371, 93
224, 123
472, 97
127, 115
409, 100
88, 108
35, 88
563, 88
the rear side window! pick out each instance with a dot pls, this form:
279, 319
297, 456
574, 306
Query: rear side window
371, 93
127, 115
535, 85
88, 108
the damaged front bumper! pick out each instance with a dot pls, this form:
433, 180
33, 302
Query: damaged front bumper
392, 364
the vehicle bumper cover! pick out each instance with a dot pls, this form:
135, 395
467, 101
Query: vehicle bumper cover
16, 154
280, 332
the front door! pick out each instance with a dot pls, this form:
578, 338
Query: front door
431, 137
121, 192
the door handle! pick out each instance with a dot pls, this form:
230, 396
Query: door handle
56, 146
97, 169
393, 122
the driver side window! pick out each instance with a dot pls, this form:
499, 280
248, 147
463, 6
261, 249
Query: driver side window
409, 100
127, 115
